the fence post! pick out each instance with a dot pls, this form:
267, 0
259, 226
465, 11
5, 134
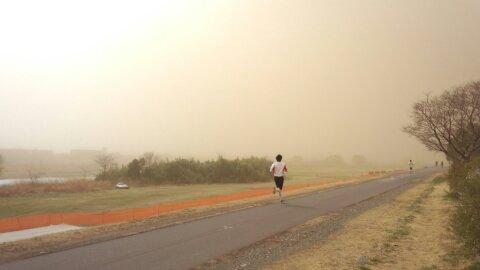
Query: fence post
18, 222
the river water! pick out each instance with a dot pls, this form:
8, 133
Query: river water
4, 182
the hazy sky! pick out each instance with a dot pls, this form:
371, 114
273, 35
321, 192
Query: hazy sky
201, 78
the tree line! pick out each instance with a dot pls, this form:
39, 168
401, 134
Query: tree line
450, 123
149, 169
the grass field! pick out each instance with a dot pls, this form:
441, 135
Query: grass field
110, 199
104, 200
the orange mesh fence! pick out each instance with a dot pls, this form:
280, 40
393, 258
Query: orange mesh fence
56, 219
27, 222
9, 224
117, 216
83, 218
146, 212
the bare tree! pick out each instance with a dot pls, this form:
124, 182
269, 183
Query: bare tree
85, 171
449, 123
359, 161
150, 158
34, 172
105, 162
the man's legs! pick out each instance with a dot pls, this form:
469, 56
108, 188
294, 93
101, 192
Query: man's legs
279, 187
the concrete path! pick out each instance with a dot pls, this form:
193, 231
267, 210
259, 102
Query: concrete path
187, 245
31, 233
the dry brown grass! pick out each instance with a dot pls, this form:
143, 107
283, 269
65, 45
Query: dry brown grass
407, 233
430, 244
73, 186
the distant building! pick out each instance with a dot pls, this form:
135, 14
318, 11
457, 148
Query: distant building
84, 156
26, 156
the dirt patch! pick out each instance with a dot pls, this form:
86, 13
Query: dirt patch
411, 232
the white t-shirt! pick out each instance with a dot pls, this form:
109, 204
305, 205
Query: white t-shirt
410, 164
278, 169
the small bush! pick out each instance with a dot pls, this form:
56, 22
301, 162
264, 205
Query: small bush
113, 174
474, 266
431, 267
466, 217
399, 232
438, 180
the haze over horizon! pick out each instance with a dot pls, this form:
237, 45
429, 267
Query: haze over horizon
237, 78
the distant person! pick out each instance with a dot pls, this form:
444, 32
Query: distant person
410, 164
441, 164
278, 170
436, 163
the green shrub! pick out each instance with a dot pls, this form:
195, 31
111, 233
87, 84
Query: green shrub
473, 266
455, 178
112, 174
190, 171
438, 180
466, 217
431, 267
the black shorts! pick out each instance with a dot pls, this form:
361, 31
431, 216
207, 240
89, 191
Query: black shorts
278, 181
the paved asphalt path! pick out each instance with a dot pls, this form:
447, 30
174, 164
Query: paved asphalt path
189, 244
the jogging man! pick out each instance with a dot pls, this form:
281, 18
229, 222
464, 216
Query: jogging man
410, 164
278, 170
